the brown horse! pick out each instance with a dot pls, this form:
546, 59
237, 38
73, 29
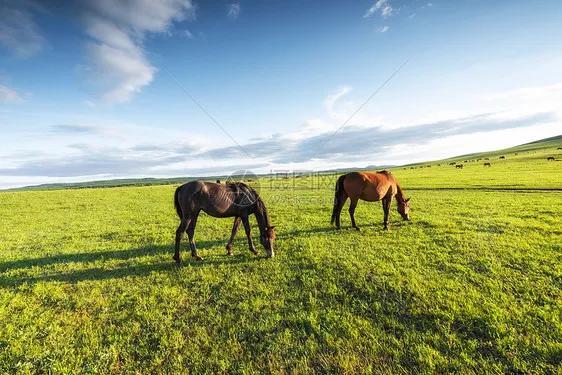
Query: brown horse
369, 187
236, 200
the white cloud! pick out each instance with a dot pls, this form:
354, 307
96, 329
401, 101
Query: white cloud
383, 7
8, 95
118, 29
331, 101
383, 29
18, 31
233, 10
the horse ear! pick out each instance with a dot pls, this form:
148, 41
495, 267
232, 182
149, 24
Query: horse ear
407, 200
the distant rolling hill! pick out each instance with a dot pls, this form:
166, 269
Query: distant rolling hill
541, 144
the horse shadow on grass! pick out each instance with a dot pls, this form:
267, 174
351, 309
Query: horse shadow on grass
330, 229
126, 268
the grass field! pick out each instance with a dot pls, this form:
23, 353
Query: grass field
472, 284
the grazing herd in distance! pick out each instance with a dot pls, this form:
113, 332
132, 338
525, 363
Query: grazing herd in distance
487, 163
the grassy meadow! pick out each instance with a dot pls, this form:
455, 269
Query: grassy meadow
472, 284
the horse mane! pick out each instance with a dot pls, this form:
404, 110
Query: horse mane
400, 197
261, 212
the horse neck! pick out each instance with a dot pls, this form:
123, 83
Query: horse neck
261, 216
400, 196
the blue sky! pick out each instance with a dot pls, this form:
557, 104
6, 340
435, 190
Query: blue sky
105, 89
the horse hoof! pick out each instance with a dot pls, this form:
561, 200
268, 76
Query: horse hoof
254, 251
229, 253
357, 229
198, 258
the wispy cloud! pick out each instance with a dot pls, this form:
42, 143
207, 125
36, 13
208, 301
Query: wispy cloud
8, 95
383, 29
233, 10
357, 143
74, 129
382, 7
118, 29
18, 31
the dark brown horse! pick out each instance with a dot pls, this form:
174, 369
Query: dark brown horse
369, 187
236, 200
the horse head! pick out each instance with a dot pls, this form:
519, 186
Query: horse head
404, 208
267, 239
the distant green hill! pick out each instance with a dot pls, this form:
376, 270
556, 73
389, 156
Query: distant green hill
541, 144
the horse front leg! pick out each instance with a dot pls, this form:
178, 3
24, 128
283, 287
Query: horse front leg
179, 234
246, 223
191, 234
237, 221
386, 203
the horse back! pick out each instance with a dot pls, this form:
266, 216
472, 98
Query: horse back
370, 186
218, 200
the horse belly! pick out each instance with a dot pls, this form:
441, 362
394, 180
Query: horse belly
370, 194
219, 214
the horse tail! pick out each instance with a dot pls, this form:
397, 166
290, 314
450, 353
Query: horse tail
177, 202
337, 197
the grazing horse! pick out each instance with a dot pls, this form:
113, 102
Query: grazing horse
369, 187
550, 158
487, 164
236, 200
459, 166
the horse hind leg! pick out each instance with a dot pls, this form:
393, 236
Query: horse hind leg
352, 206
179, 234
339, 206
191, 235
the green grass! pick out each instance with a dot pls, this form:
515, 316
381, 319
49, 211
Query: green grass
472, 284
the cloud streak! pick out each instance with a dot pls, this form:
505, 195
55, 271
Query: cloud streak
233, 10
355, 143
381, 7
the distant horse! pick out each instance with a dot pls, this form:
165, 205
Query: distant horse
369, 187
236, 200
459, 166
453, 163
487, 164
502, 157
550, 158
